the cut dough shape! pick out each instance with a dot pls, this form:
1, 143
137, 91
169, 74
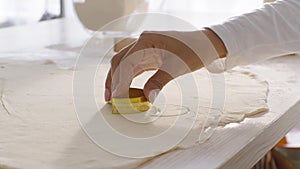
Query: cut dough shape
169, 110
42, 130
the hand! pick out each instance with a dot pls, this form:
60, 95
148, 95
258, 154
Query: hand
171, 53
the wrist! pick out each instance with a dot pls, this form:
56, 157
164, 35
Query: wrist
216, 41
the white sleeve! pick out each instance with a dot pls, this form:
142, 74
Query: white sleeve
271, 31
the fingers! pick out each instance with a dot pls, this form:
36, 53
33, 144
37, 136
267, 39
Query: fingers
107, 95
114, 62
129, 66
155, 84
125, 71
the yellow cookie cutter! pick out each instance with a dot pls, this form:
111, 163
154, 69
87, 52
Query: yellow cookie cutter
130, 108
134, 104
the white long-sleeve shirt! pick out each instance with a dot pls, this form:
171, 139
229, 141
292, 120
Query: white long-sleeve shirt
271, 31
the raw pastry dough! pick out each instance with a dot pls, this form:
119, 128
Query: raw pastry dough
39, 127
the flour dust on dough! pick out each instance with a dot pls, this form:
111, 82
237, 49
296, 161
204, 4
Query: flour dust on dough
41, 129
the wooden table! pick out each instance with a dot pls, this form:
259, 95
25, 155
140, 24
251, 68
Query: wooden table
235, 146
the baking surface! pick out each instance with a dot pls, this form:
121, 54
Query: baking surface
37, 116
242, 145
234, 146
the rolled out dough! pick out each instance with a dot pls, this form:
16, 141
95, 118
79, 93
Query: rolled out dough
39, 126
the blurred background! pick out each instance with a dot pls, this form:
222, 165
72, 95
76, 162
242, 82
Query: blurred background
96, 13
17, 12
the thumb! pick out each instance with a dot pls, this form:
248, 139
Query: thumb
155, 84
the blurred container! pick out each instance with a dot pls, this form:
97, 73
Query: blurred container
94, 13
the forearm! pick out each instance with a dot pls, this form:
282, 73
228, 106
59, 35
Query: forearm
265, 33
